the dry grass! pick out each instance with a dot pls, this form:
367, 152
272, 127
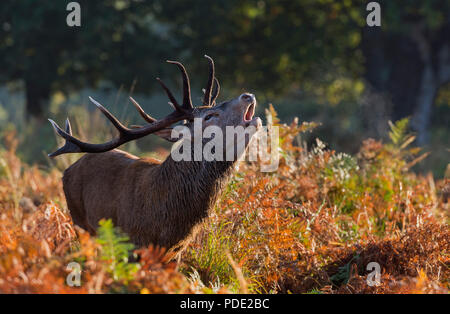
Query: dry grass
311, 227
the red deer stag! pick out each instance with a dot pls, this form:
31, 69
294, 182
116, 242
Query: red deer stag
152, 201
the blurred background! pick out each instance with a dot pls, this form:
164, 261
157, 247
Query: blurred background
313, 59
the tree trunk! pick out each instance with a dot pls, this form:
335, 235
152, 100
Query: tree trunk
37, 97
425, 99
408, 69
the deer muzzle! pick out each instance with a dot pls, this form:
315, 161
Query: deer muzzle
248, 105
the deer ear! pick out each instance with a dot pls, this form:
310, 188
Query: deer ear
166, 134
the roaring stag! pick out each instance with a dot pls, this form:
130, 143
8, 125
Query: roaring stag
152, 201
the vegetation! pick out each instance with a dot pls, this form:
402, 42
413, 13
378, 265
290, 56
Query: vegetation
312, 226
316, 59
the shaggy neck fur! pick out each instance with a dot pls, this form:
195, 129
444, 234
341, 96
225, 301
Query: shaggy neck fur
193, 191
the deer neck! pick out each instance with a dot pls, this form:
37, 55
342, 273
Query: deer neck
201, 181
194, 186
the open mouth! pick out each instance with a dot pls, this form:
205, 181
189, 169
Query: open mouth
248, 116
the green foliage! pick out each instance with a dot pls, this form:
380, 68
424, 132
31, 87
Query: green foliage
290, 33
344, 272
116, 250
210, 263
305, 42
400, 140
314, 291
398, 131
37, 46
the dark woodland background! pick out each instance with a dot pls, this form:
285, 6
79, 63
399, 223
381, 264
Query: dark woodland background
317, 60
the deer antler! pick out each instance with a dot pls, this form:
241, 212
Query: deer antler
210, 100
185, 111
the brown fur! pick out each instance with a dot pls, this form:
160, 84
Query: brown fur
142, 196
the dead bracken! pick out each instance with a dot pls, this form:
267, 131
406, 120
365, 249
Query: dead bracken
312, 226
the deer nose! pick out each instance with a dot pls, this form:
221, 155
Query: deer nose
247, 97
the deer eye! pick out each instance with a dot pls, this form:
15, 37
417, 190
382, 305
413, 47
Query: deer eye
209, 116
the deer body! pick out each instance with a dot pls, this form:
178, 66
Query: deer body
152, 201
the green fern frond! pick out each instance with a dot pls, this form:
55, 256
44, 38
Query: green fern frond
399, 131
115, 250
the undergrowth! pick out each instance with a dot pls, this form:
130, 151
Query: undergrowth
312, 226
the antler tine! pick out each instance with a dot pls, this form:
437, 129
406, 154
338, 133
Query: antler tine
215, 92
68, 127
119, 126
187, 102
207, 98
68, 146
173, 101
141, 111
